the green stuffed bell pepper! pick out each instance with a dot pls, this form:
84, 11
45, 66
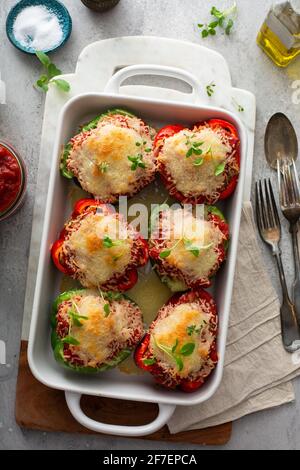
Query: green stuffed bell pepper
93, 331
111, 156
86, 128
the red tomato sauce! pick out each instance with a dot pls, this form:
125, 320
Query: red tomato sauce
10, 178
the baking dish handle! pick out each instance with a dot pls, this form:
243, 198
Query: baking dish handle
164, 414
113, 86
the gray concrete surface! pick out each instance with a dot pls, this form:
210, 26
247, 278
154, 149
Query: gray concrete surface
20, 123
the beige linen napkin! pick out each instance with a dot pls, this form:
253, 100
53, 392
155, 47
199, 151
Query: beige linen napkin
258, 371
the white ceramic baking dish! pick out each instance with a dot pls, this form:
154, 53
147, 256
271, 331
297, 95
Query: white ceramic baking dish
115, 384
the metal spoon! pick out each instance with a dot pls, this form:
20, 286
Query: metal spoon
281, 148
280, 140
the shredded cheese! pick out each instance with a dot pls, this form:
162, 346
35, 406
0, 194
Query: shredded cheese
173, 329
101, 335
100, 161
201, 234
86, 249
188, 178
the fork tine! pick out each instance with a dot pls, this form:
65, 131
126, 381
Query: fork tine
286, 184
280, 185
269, 214
274, 206
296, 183
291, 185
263, 206
259, 216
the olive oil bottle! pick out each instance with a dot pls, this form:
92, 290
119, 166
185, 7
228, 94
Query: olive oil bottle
279, 36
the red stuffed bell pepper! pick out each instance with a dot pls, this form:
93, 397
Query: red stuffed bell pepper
187, 250
180, 348
201, 164
98, 248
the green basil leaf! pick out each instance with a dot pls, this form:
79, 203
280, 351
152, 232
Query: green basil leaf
229, 27
191, 329
215, 12
149, 362
43, 58
70, 340
107, 242
195, 251
187, 349
197, 144
214, 24
42, 85
220, 169
190, 152
179, 362
204, 33
53, 71
112, 296
63, 85
175, 346
106, 309
198, 161
165, 254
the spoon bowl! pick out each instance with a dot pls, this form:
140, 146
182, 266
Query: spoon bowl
280, 140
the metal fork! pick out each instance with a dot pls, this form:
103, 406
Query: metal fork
270, 231
289, 191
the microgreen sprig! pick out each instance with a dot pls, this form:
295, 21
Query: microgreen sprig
192, 329
186, 350
210, 89
103, 167
51, 71
193, 147
188, 244
137, 160
166, 253
75, 315
223, 19
110, 296
109, 243
238, 106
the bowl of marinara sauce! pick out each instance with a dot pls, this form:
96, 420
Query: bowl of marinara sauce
12, 180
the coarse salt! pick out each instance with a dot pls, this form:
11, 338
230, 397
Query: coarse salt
38, 28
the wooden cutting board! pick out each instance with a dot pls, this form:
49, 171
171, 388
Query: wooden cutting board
44, 409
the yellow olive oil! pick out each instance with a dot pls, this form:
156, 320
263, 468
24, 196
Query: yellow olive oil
279, 36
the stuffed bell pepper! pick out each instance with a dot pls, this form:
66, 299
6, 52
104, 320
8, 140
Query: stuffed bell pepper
112, 156
187, 250
99, 249
93, 331
179, 349
201, 164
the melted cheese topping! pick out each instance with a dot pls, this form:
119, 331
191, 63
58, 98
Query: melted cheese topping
174, 328
99, 331
101, 161
188, 178
95, 262
186, 232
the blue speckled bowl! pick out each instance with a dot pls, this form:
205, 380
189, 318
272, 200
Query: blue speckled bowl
55, 7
